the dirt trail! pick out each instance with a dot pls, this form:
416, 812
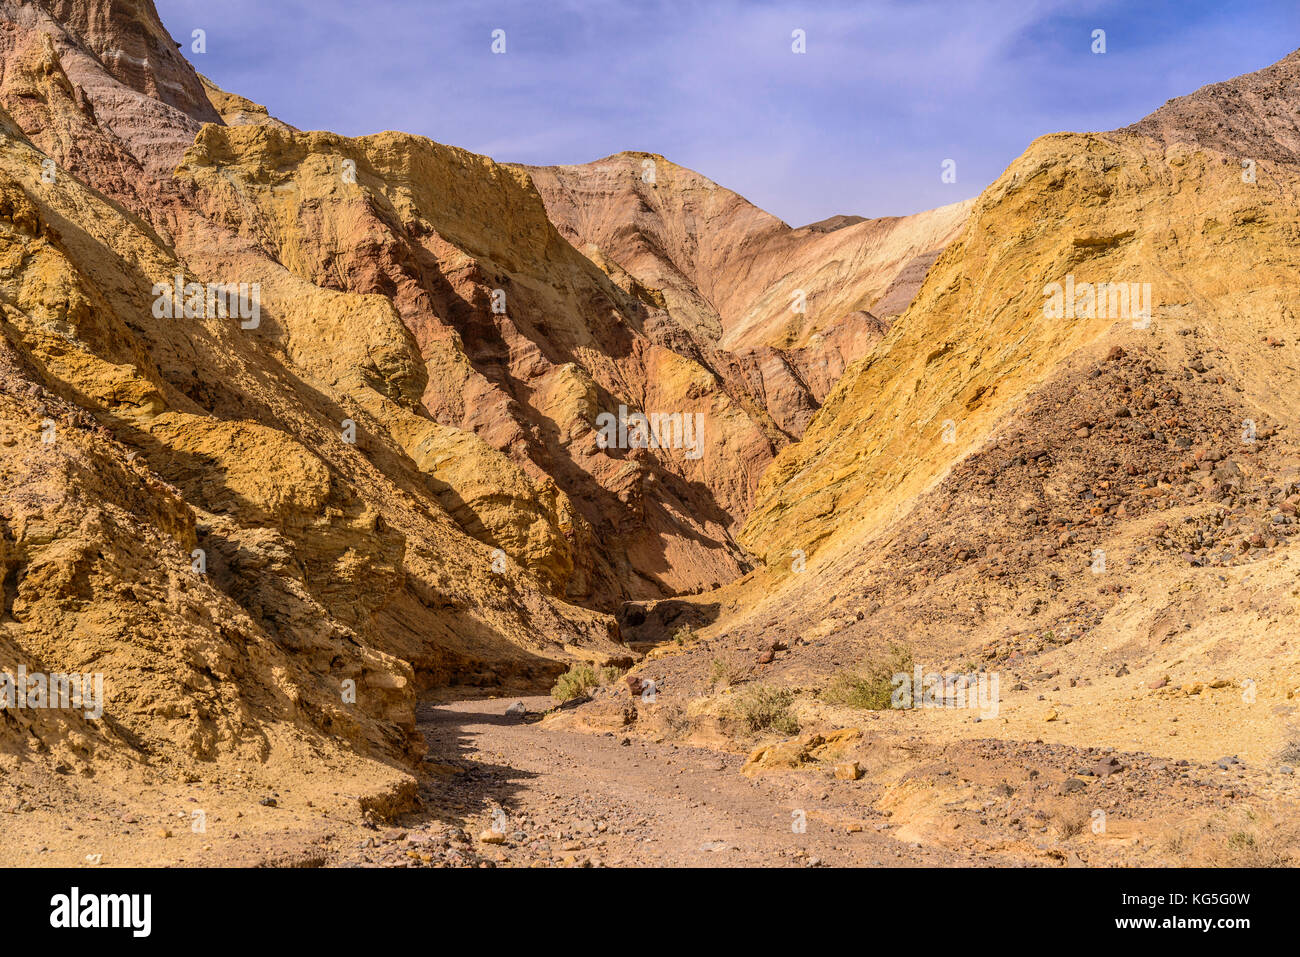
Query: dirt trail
557, 797
570, 797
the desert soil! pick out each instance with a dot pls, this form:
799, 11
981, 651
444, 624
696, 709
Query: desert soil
591, 799
502, 790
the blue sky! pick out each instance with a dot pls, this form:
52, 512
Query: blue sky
860, 124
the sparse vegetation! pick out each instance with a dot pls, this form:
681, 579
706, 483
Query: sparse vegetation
577, 682
682, 635
764, 708
1237, 838
721, 673
1290, 753
870, 686
1072, 818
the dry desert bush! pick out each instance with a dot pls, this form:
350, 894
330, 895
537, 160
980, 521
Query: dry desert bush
763, 708
870, 685
1241, 837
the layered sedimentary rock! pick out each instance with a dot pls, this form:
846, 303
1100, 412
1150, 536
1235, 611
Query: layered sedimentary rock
1156, 204
207, 508
295, 425
782, 311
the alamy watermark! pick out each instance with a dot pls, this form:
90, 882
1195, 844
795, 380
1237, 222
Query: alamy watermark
75, 910
1103, 300
933, 690
38, 690
213, 300
656, 430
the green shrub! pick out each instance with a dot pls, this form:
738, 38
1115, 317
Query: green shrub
721, 673
577, 682
764, 708
870, 685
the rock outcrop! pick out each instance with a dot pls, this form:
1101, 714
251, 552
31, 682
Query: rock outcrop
211, 502
297, 425
1124, 207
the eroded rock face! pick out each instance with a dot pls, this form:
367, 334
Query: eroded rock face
1113, 207
727, 270
778, 312
391, 472
506, 334
233, 519
130, 43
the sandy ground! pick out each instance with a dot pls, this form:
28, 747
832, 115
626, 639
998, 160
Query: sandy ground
572, 797
498, 789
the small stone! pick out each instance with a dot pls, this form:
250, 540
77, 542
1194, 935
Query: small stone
849, 771
1107, 766
635, 685
490, 836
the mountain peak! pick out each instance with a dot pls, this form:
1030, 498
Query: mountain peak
1253, 116
127, 40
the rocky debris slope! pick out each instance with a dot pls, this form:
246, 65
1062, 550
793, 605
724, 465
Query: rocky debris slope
1096, 508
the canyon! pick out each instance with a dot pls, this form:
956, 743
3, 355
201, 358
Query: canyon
317, 558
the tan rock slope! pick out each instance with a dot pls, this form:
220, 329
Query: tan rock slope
1171, 211
216, 518
783, 310
1097, 506
270, 528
